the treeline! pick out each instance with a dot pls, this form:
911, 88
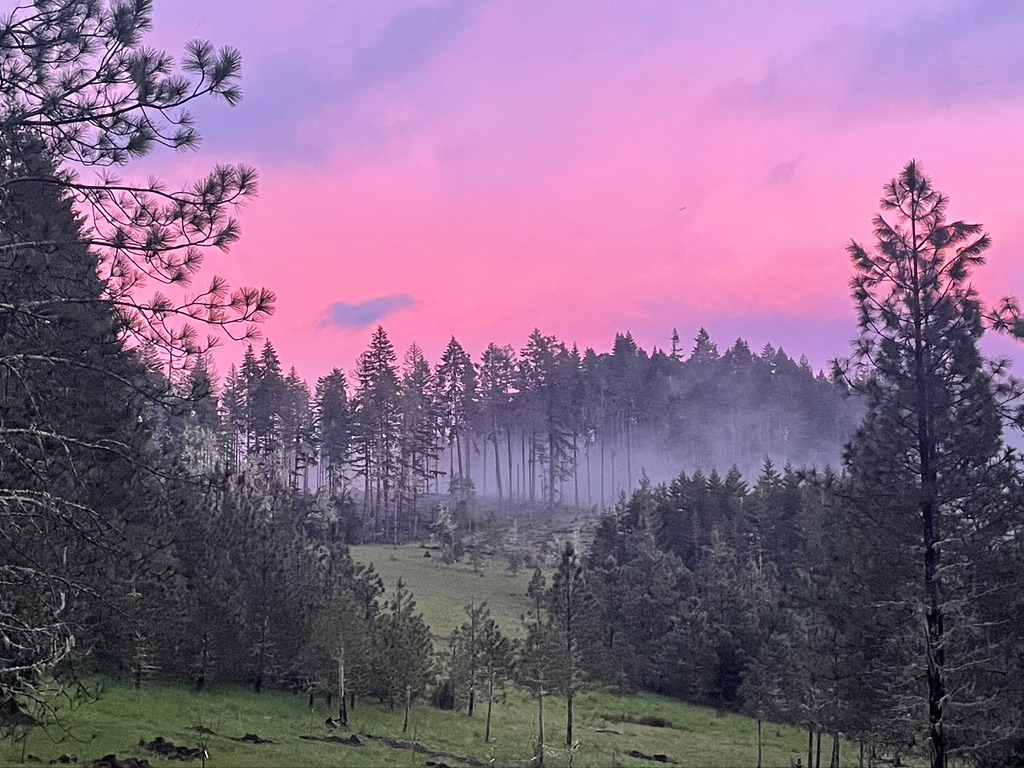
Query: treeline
547, 426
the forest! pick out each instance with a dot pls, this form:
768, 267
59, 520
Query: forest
543, 429
837, 551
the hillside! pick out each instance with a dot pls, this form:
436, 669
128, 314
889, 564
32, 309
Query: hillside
124, 716
442, 591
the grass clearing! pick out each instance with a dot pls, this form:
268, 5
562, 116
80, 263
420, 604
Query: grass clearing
698, 737
442, 591
608, 726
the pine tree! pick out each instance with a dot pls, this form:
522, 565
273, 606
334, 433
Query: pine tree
540, 655
497, 664
927, 468
676, 352
201, 395
454, 383
568, 605
419, 449
406, 651
333, 425
232, 418
497, 378
466, 654
377, 419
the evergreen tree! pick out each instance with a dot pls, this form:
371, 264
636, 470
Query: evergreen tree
928, 471
466, 654
333, 425
497, 664
233, 418
405, 653
568, 606
497, 378
377, 420
454, 384
540, 655
419, 450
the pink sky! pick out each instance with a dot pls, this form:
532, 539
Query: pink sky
510, 164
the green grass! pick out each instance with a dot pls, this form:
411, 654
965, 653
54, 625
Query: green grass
698, 736
122, 716
442, 591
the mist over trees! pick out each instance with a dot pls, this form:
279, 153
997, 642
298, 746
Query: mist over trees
156, 521
546, 427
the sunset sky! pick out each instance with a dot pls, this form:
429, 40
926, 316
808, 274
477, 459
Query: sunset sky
482, 167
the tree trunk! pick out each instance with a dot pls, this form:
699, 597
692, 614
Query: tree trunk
522, 468
810, 746
629, 457
490, 701
575, 472
497, 466
760, 751
835, 750
590, 487
508, 440
540, 727
817, 752
342, 709
551, 468
935, 645
568, 720
533, 467
408, 703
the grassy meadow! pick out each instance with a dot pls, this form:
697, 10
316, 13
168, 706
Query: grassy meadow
122, 716
697, 736
442, 591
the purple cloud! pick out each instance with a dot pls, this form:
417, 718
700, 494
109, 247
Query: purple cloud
360, 314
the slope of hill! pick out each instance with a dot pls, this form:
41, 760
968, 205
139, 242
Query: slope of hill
689, 736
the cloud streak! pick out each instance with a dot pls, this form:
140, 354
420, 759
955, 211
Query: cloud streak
354, 315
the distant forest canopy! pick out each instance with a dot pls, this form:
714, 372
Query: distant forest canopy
548, 425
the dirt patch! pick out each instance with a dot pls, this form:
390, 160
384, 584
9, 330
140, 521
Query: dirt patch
348, 741
113, 761
656, 758
171, 751
64, 760
415, 746
252, 738
203, 730
649, 720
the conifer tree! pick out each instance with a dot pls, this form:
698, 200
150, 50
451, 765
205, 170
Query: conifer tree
377, 420
454, 384
419, 449
568, 606
540, 655
233, 418
333, 425
466, 653
406, 652
928, 471
497, 664
497, 378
